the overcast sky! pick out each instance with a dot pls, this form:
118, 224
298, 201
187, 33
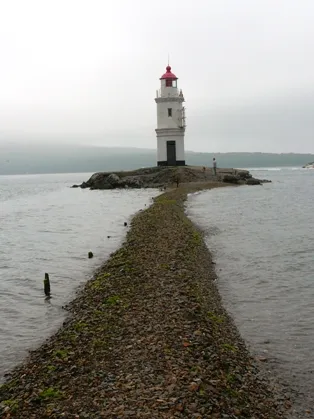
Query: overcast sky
86, 71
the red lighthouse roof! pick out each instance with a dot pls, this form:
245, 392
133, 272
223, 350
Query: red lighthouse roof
168, 75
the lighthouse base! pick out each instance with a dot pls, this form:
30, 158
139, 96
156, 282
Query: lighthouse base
170, 147
177, 163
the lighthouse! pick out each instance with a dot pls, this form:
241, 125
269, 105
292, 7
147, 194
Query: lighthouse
170, 121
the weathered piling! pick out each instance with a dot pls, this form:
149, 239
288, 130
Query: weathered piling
47, 285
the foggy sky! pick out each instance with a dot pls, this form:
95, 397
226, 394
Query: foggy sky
86, 71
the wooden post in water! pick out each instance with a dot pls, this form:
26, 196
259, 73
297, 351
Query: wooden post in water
47, 285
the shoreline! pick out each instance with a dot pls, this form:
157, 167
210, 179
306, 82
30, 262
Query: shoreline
147, 337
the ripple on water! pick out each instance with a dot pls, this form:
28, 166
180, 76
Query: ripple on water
48, 227
263, 245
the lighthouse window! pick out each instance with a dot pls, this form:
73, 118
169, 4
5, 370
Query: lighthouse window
169, 112
171, 83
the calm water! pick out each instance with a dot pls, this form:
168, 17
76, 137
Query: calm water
262, 239
47, 227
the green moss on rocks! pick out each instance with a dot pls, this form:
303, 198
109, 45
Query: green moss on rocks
148, 337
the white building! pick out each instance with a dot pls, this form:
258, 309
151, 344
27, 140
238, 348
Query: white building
170, 122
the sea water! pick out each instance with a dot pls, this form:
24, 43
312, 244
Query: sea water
46, 226
262, 240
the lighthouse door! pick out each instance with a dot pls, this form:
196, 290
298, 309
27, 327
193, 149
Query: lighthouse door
171, 153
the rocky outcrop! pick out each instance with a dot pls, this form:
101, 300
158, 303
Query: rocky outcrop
253, 181
156, 177
243, 178
111, 181
231, 179
243, 174
132, 182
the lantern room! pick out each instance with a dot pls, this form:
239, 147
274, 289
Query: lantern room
170, 79
168, 84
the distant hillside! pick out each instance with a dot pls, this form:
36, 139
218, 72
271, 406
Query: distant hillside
78, 159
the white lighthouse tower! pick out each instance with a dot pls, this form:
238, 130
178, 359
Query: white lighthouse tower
170, 122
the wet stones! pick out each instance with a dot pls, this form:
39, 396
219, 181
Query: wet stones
231, 179
253, 181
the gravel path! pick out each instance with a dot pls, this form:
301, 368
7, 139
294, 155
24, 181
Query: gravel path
147, 338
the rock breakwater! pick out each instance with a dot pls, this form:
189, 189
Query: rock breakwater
147, 337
